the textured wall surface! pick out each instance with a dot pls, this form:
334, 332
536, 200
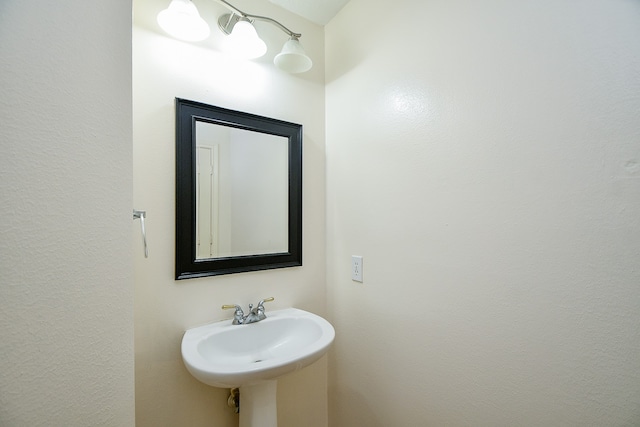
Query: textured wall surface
66, 294
483, 158
164, 68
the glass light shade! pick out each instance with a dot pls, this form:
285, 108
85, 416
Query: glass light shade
182, 21
293, 58
245, 42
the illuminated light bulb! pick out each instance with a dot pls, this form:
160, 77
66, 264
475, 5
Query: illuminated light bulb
293, 58
182, 21
244, 41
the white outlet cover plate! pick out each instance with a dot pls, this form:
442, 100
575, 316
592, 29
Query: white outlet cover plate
356, 268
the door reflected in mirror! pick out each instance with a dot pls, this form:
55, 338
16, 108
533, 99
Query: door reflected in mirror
242, 192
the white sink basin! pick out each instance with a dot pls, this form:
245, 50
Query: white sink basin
224, 355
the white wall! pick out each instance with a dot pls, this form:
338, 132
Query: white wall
259, 165
164, 68
66, 291
484, 159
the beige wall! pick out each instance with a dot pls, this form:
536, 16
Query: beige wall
488, 176
164, 68
66, 272
483, 158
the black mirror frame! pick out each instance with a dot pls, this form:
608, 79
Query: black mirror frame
187, 266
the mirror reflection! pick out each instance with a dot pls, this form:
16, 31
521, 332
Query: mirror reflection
242, 192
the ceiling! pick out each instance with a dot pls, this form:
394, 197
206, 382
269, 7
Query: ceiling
318, 11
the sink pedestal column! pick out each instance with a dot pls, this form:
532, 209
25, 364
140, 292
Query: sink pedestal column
258, 405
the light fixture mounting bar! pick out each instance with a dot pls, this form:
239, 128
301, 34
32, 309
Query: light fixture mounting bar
276, 23
259, 18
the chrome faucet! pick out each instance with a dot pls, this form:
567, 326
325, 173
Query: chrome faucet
255, 314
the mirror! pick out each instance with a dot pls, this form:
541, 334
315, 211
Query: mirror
238, 191
242, 192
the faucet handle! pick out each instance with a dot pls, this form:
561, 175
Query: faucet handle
260, 308
265, 300
238, 315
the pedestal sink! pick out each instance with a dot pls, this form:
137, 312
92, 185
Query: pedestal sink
253, 356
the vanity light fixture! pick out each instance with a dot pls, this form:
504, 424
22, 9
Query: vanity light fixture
182, 21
